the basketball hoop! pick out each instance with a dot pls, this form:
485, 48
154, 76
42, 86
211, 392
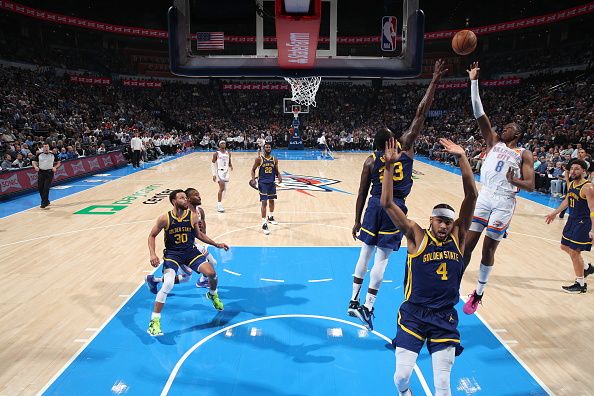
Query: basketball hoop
304, 89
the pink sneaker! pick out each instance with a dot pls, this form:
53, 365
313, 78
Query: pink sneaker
472, 304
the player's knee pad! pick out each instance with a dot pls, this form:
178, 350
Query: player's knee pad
168, 282
210, 258
405, 363
379, 267
362, 262
442, 362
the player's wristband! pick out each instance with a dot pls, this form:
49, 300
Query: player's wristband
591, 214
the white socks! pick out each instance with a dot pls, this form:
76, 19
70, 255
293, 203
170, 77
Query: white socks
484, 272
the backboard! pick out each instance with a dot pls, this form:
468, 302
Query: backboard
251, 48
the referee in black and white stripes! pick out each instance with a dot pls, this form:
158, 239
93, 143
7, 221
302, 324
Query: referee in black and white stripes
45, 163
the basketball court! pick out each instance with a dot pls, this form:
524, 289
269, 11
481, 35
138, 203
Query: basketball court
75, 307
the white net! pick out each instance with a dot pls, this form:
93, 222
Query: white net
304, 89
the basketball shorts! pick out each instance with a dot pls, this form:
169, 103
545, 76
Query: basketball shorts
493, 211
377, 229
191, 258
417, 325
267, 190
323, 147
576, 233
223, 175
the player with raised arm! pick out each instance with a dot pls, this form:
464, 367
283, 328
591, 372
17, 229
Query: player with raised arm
506, 169
377, 232
434, 270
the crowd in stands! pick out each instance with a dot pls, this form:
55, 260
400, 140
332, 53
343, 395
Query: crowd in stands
39, 106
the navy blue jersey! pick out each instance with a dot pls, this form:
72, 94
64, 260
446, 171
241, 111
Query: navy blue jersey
267, 169
434, 272
179, 232
402, 175
578, 206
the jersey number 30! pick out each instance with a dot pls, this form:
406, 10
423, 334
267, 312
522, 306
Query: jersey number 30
180, 238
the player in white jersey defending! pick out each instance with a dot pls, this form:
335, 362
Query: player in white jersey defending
194, 202
220, 166
506, 169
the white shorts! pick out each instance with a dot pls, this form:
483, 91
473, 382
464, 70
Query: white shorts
493, 211
223, 175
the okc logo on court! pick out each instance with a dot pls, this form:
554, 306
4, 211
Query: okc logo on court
306, 184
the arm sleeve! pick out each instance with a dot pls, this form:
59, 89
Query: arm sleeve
477, 106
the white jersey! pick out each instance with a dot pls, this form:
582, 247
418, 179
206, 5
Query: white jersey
495, 166
222, 161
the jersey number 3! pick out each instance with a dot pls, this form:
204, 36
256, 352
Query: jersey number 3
443, 271
398, 173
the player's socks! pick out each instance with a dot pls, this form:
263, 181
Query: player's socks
484, 272
370, 300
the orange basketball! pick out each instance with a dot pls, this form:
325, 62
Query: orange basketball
464, 42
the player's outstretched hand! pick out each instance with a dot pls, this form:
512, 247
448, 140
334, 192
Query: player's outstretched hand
223, 246
155, 261
473, 73
451, 147
439, 70
550, 217
392, 152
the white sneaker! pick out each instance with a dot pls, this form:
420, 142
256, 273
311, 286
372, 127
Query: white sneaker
220, 208
265, 229
271, 220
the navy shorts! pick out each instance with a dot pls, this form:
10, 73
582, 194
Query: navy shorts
267, 190
417, 324
576, 233
377, 228
191, 258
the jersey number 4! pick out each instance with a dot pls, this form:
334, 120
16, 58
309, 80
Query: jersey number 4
398, 173
443, 271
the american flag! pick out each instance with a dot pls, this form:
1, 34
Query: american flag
210, 40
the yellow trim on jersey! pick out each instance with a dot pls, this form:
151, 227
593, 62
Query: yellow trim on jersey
373, 155
409, 331
434, 239
421, 248
367, 231
168, 222
582, 188
195, 258
408, 287
173, 261
456, 243
388, 232
579, 243
184, 215
444, 340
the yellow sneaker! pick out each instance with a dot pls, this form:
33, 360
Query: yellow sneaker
216, 301
154, 328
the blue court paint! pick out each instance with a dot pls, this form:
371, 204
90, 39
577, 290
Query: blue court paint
543, 199
280, 356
